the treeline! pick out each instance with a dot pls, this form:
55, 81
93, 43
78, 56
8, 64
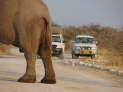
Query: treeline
107, 37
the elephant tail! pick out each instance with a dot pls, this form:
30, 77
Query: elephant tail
46, 37
48, 33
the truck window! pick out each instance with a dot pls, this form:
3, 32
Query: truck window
56, 39
84, 40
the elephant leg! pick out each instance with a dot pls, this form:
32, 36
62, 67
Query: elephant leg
30, 51
45, 54
30, 75
49, 77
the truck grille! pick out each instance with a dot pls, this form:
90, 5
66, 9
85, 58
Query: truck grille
54, 46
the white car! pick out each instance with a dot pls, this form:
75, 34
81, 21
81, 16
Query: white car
58, 45
84, 45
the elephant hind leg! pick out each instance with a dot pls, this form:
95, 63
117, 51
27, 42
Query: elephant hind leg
49, 77
30, 74
45, 54
30, 51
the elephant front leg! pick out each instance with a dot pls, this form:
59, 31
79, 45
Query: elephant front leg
30, 75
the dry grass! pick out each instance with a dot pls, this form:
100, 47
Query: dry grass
109, 58
4, 49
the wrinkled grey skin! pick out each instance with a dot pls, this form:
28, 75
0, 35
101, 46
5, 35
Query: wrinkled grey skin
27, 25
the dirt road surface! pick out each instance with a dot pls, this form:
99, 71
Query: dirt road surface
69, 79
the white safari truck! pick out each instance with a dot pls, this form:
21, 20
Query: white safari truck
58, 45
84, 45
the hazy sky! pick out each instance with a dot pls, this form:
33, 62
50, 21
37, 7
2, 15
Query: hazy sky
79, 12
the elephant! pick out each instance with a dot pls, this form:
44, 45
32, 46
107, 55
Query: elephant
26, 24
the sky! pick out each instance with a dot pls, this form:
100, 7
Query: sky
84, 12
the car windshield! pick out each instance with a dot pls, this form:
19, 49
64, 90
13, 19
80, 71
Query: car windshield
56, 39
84, 40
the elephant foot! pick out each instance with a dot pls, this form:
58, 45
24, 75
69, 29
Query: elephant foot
27, 79
48, 81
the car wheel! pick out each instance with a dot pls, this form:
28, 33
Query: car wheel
61, 56
93, 56
75, 56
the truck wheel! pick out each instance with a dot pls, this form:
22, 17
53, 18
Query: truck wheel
61, 56
75, 56
93, 56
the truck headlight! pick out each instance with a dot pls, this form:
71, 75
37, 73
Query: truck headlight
93, 48
77, 48
89, 48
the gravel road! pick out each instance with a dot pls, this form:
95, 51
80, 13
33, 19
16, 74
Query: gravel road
69, 78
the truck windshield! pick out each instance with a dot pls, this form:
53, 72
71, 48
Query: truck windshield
84, 40
56, 39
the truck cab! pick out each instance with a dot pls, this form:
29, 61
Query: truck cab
58, 45
84, 45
